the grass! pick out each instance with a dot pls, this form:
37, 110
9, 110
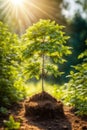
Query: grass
55, 90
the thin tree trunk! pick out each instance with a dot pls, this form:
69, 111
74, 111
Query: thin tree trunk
43, 72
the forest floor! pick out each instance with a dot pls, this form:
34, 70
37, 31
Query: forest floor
69, 122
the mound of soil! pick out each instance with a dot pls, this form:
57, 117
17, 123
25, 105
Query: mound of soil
43, 105
69, 122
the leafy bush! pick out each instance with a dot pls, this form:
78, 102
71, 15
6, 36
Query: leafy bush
77, 86
3, 111
11, 124
11, 88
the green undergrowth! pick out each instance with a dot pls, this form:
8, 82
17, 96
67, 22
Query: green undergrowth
65, 93
55, 90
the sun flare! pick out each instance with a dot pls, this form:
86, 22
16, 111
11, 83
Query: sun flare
17, 2
22, 13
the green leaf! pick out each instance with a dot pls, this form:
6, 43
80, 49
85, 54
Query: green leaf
46, 41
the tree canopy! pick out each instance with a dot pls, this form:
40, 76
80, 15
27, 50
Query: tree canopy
46, 44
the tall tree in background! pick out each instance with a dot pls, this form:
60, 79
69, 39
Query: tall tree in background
77, 30
83, 3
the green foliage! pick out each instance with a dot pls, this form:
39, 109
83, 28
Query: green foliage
83, 4
46, 45
10, 58
77, 86
3, 111
77, 30
11, 124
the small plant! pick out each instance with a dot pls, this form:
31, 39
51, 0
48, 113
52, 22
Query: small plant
11, 124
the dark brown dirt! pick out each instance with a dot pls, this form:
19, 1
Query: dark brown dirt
68, 122
43, 105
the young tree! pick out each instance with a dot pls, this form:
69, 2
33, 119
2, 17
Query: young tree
45, 47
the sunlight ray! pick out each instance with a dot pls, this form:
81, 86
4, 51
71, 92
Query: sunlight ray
17, 2
40, 6
40, 10
23, 13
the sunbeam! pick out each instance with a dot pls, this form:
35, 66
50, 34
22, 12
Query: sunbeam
22, 13
16, 2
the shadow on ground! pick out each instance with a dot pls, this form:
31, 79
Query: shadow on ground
49, 124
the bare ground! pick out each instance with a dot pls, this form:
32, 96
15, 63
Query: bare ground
67, 122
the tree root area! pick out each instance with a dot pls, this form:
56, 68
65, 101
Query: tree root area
43, 106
